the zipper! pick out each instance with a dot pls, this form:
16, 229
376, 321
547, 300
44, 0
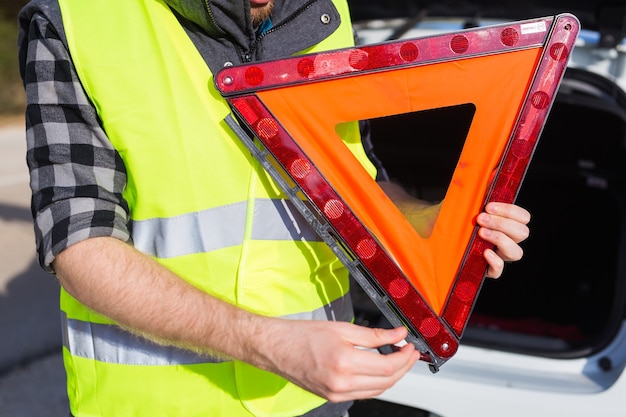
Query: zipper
212, 17
247, 57
244, 57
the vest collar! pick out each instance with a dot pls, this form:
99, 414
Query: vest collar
297, 26
230, 19
219, 18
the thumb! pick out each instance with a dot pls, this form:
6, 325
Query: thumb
377, 337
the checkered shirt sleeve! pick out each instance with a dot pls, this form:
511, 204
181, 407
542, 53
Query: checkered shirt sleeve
76, 176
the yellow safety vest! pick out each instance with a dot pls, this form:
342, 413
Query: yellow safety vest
202, 207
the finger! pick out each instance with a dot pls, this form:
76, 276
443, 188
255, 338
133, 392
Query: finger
511, 228
507, 248
371, 362
374, 373
398, 362
375, 337
511, 211
495, 264
508, 218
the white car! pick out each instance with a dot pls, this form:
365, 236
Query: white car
549, 337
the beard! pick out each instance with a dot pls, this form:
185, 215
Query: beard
259, 14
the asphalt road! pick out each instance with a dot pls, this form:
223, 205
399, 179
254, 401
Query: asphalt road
32, 381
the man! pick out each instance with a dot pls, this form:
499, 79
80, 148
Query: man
186, 288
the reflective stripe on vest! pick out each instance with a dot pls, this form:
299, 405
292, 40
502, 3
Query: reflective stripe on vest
111, 344
220, 228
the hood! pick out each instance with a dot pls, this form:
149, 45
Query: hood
603, 16
235, 22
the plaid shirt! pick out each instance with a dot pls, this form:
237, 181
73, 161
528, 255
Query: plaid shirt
77, 178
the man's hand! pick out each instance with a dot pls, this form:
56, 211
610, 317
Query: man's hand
504, 225
327, 358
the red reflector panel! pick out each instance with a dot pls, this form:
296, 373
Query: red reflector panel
442, 343
294, 106
516, 157
342, 62
430, 264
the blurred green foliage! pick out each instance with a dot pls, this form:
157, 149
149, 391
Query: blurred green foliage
12, 98
10, 8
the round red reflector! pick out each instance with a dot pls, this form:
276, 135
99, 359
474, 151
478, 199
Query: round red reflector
300, 168
540, 100
254, 76
429, 327
409, 52
333, 209
559, 52
459, 44
267, 128
358, 59
398, 288
509, 37
465, 291
366, 248
305, 67
521, 148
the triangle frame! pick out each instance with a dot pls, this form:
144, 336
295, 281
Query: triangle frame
428, 285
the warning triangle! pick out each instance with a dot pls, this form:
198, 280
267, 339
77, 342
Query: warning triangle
294, 107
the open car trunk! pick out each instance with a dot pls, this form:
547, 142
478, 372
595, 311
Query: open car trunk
566, 297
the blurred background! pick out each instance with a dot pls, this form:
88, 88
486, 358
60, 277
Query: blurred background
32, 382
11, 92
